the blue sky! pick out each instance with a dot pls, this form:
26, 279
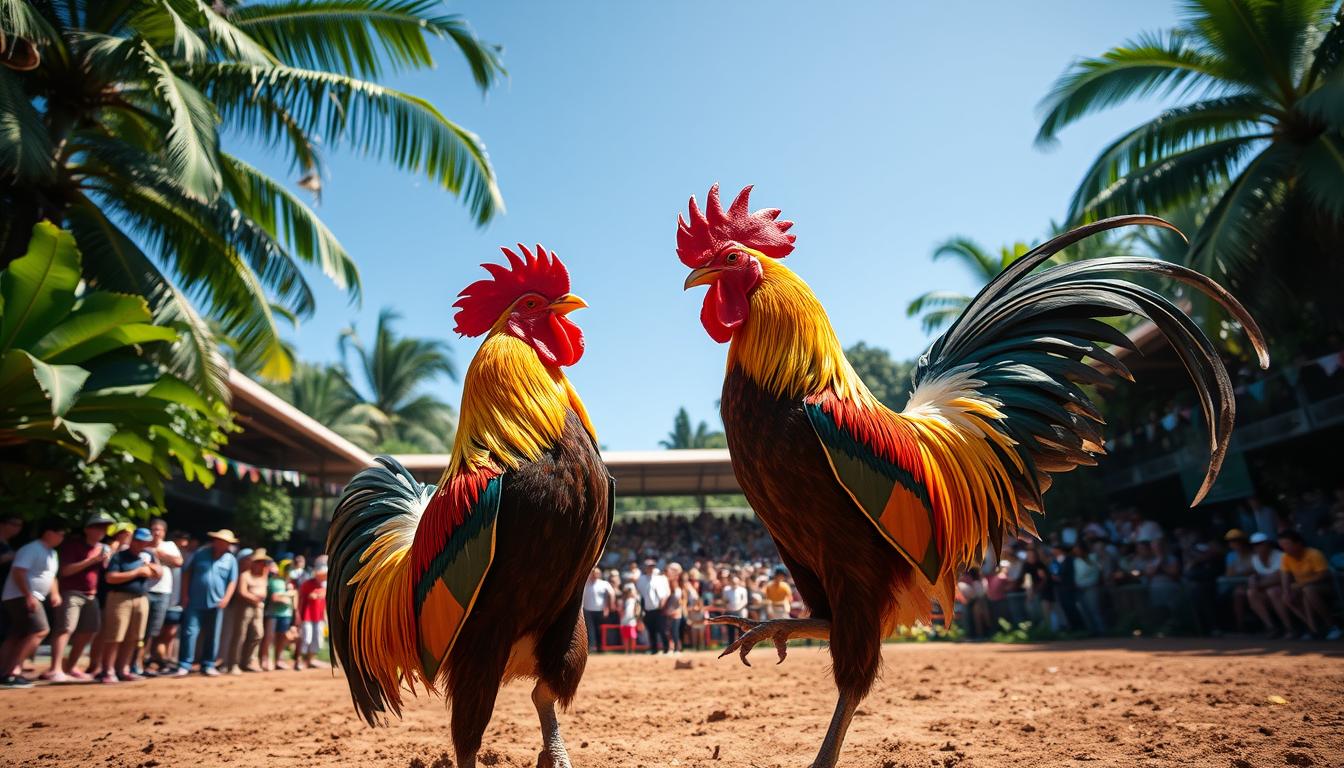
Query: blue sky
880, 128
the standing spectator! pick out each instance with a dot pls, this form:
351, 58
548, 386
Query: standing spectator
778, 595
1305, 584
281, 600
228, 633
1237, 570
82, 560
249, 623
313, 614
971, 593
31, 583
10, 525
630, 602
1062, 572
997, 586
1263, 586
298, 571
160, 593
127, 608
163, 652
735, 601
1087, 575
653, 590
674, 609
1040, 587
208, 583
598, 599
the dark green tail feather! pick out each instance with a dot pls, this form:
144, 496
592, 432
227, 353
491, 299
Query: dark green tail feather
373, 497
1024, 335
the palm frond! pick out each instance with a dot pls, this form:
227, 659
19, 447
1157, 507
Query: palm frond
968, 252
383, 122
117, 264
1226, 242
364, 38
1323, 174
1150, 65
1171, 179
191, 146
26, 152
20, 18
264, 201
1173, 131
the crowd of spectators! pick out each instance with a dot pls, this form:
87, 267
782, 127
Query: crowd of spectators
1275, 570
146, 603
143, 602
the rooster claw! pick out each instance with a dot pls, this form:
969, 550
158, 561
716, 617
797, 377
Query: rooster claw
778, 631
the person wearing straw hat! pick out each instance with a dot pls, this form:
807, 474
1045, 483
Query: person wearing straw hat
208, 582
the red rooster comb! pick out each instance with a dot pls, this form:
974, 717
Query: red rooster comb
708, 232
480, 304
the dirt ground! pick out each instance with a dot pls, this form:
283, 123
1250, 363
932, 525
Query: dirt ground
1139, 702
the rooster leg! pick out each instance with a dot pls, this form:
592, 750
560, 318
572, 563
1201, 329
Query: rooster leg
835, 735
778, 630
553, 753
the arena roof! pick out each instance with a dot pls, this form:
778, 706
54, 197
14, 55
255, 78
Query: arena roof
276, 434
637, 473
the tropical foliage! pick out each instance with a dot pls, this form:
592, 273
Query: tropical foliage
888, 379
113, 116
264, 514
937, 309
395, 372
1256, 146
324, 392
684, 436
73, 374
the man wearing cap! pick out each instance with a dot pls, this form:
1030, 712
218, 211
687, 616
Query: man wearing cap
127, 608
208, 582
248, 609
82, 560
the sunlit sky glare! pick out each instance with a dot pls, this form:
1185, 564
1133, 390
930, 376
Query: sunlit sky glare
880, 128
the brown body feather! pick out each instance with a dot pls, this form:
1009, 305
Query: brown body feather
843, 567
554, 518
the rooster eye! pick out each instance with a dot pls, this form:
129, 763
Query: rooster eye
732, 257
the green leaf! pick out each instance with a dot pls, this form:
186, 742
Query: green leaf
364, 38
38, 288
25, 147
98, 315
95, 436
60, 383
1323, 174
382, 122
118, 264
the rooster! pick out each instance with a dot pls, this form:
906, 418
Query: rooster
875, 512
462, 587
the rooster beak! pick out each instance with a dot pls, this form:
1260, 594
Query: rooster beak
701, 276
567, 303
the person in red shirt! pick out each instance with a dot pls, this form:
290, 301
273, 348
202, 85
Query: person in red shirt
313, 615
78, 620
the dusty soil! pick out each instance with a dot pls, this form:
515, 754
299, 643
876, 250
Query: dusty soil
1133, 703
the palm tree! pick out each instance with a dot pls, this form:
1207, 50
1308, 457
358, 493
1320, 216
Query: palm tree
683, 436
111, 117
939, 308
1261, 138
395, 370
326, 394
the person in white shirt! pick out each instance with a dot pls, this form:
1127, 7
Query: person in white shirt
629, 618
598, 598
654, 591
735, 600
31, 584
1263, 587
160, 591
